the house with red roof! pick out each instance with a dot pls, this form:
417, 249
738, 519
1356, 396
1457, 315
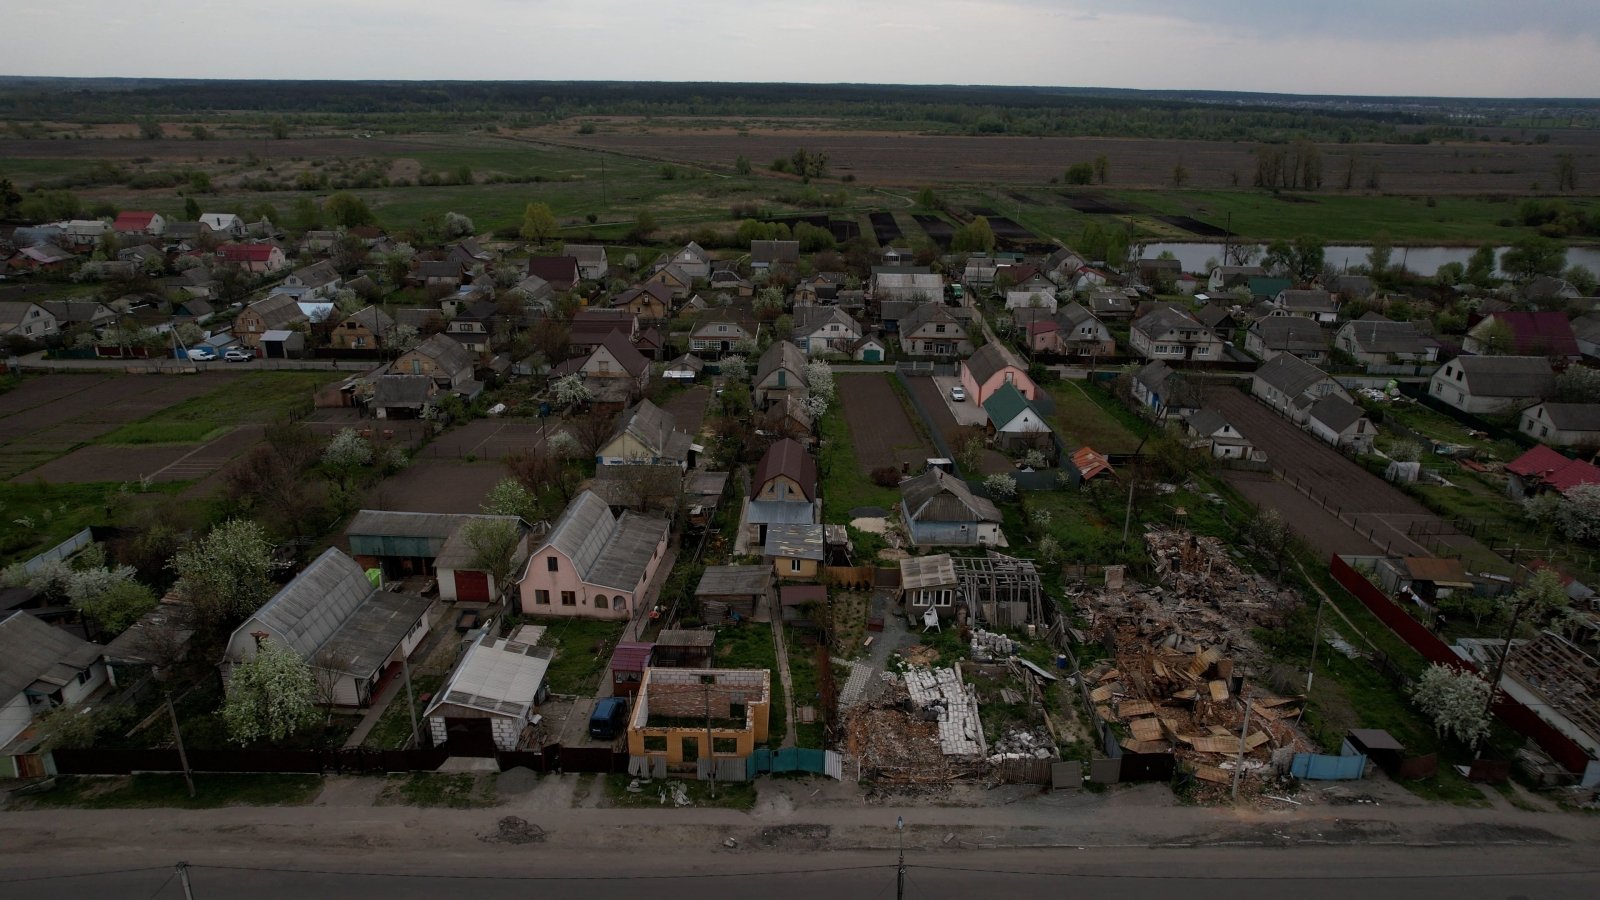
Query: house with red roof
1547, 334
260, 259
1542, 469
139, 222
561, 271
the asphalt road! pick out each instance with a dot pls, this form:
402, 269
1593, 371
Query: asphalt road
1372, 873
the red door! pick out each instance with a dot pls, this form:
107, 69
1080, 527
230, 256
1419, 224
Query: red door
472, 586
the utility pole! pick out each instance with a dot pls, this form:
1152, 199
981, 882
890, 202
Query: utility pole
1505, 653
183, 878
1127, 517
183, 757
711, 757
1244, 729
900, 872
1316, 639
411, 703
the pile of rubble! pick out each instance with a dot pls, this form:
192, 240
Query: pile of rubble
941, 696
898, 743
987, 646
1023, 744
1170, 685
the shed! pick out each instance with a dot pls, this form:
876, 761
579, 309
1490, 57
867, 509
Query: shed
1377, 745
628, 663
731, 593
795, 600
490, 697
283, 344
681, 648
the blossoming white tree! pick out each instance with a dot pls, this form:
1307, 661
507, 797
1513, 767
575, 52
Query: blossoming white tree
271, 696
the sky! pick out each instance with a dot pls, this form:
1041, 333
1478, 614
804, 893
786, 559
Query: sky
1477, 48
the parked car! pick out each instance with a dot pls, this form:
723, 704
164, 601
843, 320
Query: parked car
958, 394
609, 718
237, 355
203, 354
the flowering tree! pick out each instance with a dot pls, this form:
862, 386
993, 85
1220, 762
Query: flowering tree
509, 498
345, 456
570, 390
271, 696
735, 368
1456, 700
456, 225
226, 575
562, 445
1575, 514
1001, 486
819, 379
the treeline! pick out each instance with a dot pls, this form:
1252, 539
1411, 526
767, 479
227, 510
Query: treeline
951, 109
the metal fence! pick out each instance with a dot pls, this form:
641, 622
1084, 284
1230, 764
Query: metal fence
60, 551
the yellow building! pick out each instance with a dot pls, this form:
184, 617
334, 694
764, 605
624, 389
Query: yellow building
678, 711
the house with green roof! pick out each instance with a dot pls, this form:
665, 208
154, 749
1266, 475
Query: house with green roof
1014, 422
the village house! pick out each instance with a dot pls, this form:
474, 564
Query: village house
276, 313
1300, 336
1489, 385
1016, 300
613, 371
591, 260
1221, 278
91, 314
719, 336
474, 325
1025, 278
930, 329
684, 369
646, 434
1376, 341
1320, 306
593, 564
786, 472
991, 367
1072, 331
766, 255
22, 318
488, 702
1111, 305
363, 329
978, 274
1209, 430
348, 630
795, 551
675, 281
589, 327
41, 668
929, 583
780, 373
442, 359
257, 259
1341, 423
317, 281
824, 329
1353, 287
139, 222
692, 261
790, 418
1586, 331
651, 300
1221, 319
940, 509
1062, 266
1563, 424
408, 544
402, 396
223, 223
1163, 391
923, 287
560, 271
1173, 334
1547, 334
1013, 422
1291, 386
871, 348
1090, 277
681, 717
1543, 470
732, 282
733, 593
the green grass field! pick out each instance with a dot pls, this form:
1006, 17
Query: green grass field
37, 516
1082, 420
257, 398
845, 485
151, 791
583, 647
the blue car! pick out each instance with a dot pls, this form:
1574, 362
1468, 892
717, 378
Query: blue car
609, 718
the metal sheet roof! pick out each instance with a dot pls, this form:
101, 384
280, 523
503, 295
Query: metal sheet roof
498, 676
927, 571
32, 651
734, 580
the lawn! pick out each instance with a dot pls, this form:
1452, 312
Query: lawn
1084, 417
458, 790
750, 646
393, 731
150, 791
1440, 427
259, 397
37, 516
845, 485
583, 647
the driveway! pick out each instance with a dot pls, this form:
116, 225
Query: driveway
965, 412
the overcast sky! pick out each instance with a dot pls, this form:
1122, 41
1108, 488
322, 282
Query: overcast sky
1493, 48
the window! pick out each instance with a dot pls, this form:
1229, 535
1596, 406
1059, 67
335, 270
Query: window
1543, 430
83, 677
1011, 377
944, 597
938, 329
600, 601
568, 598
927, 346
794, 565
551, 565
1202, 351
728, 746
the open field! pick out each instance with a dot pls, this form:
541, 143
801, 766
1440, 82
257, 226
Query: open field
1082, 421
880, 429
438, 487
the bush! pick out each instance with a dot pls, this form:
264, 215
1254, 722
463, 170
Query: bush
886, 476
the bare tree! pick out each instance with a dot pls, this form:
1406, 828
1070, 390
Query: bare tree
592, 431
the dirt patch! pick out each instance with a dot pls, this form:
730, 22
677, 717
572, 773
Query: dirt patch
793, 837
1495, 833
104, 463
438, 487
486, 439
405, 169
514, 830
880, 430
688, 409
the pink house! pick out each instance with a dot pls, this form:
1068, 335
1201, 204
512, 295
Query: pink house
993, 365
593, 564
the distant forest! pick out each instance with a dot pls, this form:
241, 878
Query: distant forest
978, 110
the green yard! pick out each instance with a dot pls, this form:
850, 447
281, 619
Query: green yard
36, 516
459, 790
150, 791
749, 645
1085, 417
738, 795
845, 484
583, 647
256, 398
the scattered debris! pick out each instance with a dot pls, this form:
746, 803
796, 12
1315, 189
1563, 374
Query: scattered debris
939, 695
730, 843
514, 830
674, 791
1023, 744
987, 645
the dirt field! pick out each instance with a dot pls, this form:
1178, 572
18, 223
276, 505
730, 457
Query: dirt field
688, 408
486, 439
879, 427
437, 487
915, 159
1370, 504
133, 148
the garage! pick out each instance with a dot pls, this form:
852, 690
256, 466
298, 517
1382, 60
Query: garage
472, 587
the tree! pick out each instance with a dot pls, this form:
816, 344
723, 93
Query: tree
1102, 168
1578, 384
1532, 257
150, 130
741, 166
10, 200
1001, 486
1381, 254
570, 391
1566, 172
117, 606
397, 263
1582, 279
191, 209
1576, 515
1456, 700
592, 432
509, 497
1300, 259
280, 129
735, 368
347, 210
494, 544
643, 225
1480, 266
1269, 534
538, 223
226, 574
1180, 175
1495, 337
819, 379
974, 237
272, 695
401, 337
768, 303
307, 214
927, 199
345, 456
1080, 173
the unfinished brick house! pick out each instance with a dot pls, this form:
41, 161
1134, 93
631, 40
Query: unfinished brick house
678, 710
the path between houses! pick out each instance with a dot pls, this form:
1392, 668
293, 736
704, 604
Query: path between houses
783, 675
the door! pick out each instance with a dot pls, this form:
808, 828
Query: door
472, 587
871, 355
469, 737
